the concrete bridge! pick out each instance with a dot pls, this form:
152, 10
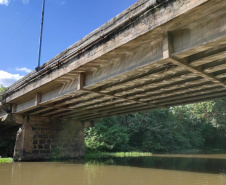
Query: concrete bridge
155, 54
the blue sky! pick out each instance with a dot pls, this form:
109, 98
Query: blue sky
66, 21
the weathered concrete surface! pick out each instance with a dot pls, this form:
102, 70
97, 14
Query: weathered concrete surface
48, 139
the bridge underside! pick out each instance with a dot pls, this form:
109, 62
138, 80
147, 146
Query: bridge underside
171, 55
180, 62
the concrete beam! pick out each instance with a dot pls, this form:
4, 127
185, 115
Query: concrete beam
178, 44
81, 81
205, 35
124, 64
170, 54
38, 98
68, 88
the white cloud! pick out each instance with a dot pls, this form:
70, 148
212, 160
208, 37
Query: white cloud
25, 1
7, 79
24, 69
4, 2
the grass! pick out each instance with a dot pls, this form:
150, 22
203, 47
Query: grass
6, 160
117, 154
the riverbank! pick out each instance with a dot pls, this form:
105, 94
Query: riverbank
184, 153
96, 155
6, 160
116, 154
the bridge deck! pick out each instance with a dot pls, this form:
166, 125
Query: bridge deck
156, 56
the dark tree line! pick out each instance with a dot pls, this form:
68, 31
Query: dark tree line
200, 126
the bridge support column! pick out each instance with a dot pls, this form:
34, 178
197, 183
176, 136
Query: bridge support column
40, 139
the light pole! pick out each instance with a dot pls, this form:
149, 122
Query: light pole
40, 39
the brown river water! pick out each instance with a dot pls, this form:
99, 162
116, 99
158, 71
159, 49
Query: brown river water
155, 170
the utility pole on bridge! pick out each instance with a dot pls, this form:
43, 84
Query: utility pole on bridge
40, 39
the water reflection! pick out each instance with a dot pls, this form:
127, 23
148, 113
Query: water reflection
157, 170
203, 165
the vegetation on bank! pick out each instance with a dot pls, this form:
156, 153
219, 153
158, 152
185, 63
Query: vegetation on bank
2, 89
200, 126
96, 154
6, 160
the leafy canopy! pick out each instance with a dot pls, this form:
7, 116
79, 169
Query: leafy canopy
199, 126
2, 89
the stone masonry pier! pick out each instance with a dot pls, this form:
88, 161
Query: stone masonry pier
48, 139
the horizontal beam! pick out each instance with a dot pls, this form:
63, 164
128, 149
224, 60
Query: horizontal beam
195, 98
181, 102
69, 87
197, 71
183, 43
180, 91
169, 49
194, 95
185, 102
110, 110
208, 59
166, 87
93, 106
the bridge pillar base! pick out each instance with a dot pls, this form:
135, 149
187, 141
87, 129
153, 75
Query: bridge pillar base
48, 140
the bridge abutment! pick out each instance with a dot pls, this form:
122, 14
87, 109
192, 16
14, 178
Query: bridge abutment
40, 139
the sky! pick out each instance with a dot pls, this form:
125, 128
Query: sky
65, 22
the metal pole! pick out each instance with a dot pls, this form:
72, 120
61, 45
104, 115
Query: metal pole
40, 39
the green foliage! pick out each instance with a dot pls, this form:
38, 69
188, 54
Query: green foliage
2, 89
107, 136
6, 160
198, 126
93, 155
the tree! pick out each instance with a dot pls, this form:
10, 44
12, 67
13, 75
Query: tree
195, 126
2, 89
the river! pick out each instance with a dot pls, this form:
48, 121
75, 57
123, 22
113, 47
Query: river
155, 170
